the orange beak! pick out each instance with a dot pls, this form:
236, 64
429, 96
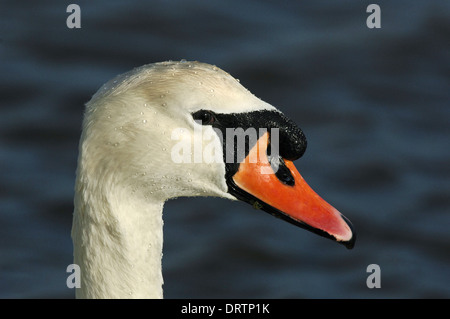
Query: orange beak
293, 200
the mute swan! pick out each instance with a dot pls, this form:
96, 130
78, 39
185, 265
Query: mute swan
135, 129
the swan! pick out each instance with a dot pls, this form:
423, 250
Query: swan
145, 139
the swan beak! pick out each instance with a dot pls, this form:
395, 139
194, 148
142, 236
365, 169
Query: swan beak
283, 192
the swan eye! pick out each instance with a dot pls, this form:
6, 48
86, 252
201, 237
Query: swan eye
206, 117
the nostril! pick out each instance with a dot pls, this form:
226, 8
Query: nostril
281, 171
284, 175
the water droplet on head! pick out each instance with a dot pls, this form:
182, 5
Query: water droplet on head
142, 113
144, 121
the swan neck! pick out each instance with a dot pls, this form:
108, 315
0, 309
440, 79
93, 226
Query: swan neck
118, 240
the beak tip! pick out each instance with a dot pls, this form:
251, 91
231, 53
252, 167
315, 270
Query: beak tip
349, 243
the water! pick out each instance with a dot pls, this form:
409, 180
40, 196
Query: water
374, 105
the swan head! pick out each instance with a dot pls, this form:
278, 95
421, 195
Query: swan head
176, 129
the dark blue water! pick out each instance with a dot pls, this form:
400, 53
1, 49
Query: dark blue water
374, 105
